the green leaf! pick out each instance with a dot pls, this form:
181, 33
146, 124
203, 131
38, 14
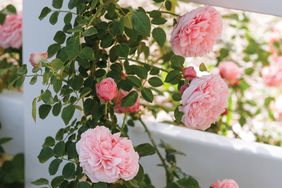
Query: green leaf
2, 18
53, 49
54, 18
123, 50
45, 154
59, 149
57, 4
54, 166
130, 99
145, 149
84, 185
100, 185
147, 94
76, 82
127, 20
22, 70
45, 11
57, 108
60, 134
60, 37
33, 80
57, 181
159, 35
34, 107
177, 61
68, 113
134, 80
5, 140
40, 181
178, 115
176, 96
172, 76
44, 110
11, 9
155, 82
141, 23
188, 182
49, 141
89, 32
68, 18
203, 67
87, 53
168, 5
68, 170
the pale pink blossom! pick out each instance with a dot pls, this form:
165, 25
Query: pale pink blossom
196, 32
11, 32
189, 73
107, 89
272, 74
36, 57
131, 109
106, 157
230, 72
227, 183
204, 101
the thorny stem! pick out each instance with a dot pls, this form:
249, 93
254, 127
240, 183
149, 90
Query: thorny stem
157, 150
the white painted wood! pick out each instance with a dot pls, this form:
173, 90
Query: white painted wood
272, 7
11, 118
210, 157
37, 36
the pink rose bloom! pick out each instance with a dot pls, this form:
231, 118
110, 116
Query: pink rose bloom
106, 157
196, 32
227, 183
272, 74
203, 101
120, 109
107, 89
189, 73
230, 72
36, 57
11, 32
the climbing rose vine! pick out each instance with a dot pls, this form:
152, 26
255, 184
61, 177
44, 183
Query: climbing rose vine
109, 60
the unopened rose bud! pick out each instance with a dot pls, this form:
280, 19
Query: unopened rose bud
189, 73
36, 57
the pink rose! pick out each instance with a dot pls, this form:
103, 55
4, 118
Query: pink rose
11, 32
189, 73
227, 183
230, 72
107, 89
196, 32
106, 157
272, 74
203, 101
36, 57
120, 109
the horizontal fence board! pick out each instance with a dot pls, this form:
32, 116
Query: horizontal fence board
271, 7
